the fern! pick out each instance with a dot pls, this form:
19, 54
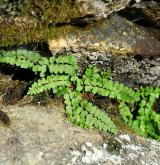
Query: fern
25, 59
85, 114
51, 82
95, 83
61, 76
126, 114
147, 121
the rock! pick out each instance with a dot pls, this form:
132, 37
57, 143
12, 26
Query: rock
100, 9
42, 135
130, 70
37, 20
148, 12
68, 10
115, 35
139, 153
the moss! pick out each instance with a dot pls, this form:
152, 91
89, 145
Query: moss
42, 98
114, 146
36, 21
14, 34
50, 11
123, 126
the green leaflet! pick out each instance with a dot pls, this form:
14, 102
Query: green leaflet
25, 59
62, 68
68, 59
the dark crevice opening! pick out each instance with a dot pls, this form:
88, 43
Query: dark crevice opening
138, 57
78, 22
17, 73
13, 91
137, 16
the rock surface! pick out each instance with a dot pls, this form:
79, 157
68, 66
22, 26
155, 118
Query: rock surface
78, 9
37, 20
133, 71
115, 35
42, 136
39, 135
150, 12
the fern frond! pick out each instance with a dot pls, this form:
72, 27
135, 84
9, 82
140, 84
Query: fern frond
85, 114
68, 59
51, 82
147, 122
126, 114
25, 59
95, 83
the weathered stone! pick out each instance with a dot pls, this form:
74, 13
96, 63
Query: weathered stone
68, 9
42, 136
132, 71
149, 10
35, 17
115, 35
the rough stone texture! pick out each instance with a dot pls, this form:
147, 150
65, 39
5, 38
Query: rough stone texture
42, 136
102, 8
39, 135
115, 35
132, 151
150, 11
130, 51
133, 70
95, 8
36, 20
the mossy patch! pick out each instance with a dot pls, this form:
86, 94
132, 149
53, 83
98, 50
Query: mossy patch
36, 21
50, 11
114, 146
14, 92
13, 34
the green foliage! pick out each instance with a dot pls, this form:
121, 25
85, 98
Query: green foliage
147, 121
97, 83
51, 82
142, 117
61, 76
25, 59
84, 114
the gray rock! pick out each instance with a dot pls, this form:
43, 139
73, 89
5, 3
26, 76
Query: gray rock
150, 11
42, 136
27, 21
96, 8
